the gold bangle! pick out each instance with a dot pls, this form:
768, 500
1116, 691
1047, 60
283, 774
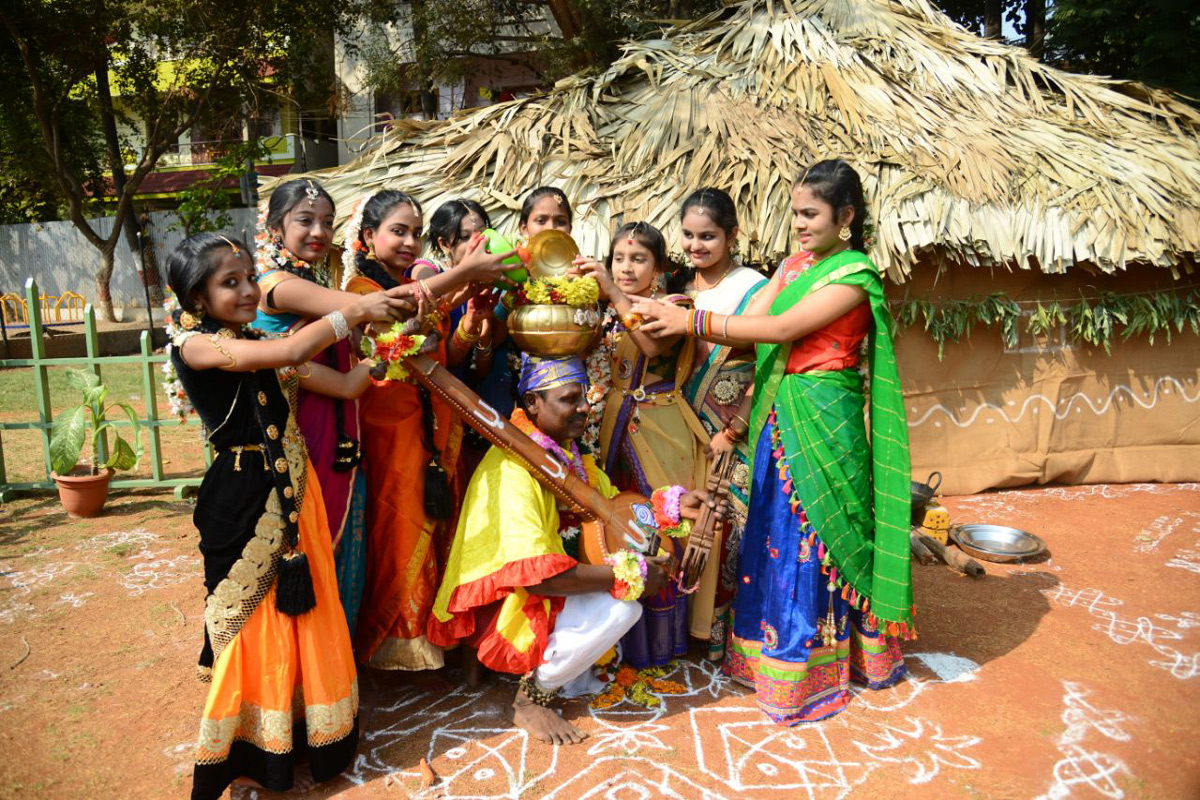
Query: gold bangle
464, 336
425, 290
742, 420
304, 375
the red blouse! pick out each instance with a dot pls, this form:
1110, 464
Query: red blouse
836, 346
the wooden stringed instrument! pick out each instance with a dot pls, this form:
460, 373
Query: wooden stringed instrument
700, 540
624, 522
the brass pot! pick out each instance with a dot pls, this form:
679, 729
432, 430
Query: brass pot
550, 331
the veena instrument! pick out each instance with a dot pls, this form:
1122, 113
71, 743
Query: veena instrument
608, 524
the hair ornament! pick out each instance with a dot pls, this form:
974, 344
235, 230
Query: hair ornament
352, 238
237, 251
311, 190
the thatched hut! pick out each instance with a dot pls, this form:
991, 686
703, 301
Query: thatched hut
988, 173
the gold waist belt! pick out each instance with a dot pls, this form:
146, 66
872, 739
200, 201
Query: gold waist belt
237, 451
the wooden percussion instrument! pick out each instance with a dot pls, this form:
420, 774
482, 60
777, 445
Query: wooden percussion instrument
624, 522
700, 541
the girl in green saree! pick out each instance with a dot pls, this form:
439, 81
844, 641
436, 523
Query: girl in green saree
825, 591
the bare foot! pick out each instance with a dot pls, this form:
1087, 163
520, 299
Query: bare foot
474, 672
544, 723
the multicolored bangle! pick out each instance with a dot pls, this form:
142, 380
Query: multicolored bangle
665, 502
700, 323
629, 574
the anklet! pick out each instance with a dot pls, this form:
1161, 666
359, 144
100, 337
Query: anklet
538, 696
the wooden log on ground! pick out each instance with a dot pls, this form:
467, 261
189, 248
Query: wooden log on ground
920, 552
952, 556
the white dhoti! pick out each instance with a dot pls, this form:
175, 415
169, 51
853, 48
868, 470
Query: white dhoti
586, 628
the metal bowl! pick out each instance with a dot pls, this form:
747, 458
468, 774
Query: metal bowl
550, 330
551, 253
997, 542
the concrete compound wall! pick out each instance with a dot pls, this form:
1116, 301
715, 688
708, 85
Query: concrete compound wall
58, 256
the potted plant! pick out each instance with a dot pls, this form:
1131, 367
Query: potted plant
83, 488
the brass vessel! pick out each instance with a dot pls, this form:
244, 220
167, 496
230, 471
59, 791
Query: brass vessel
550, 331
551, 254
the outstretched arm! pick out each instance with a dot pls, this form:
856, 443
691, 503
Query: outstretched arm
321, 379
812, 313
650, 346
298, 296
587, 578
247, 355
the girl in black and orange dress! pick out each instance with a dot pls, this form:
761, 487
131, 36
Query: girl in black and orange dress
276, 650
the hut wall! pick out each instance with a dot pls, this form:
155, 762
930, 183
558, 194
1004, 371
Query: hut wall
988, 416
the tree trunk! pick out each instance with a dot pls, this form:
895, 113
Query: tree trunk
103, 277
993, 18
129, 221
1035, 27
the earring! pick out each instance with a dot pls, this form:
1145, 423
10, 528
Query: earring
844, 234
190, 321
371, 252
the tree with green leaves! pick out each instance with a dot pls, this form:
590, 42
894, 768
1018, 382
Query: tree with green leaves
135, 77
428, 42
1156, 42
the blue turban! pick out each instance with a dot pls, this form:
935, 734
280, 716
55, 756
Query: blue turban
539, 374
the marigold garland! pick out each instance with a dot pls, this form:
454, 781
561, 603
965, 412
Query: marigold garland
599, 372
578, 292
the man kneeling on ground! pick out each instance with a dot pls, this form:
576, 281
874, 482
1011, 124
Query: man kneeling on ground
514, 593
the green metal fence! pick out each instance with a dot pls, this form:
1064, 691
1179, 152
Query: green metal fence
150, 368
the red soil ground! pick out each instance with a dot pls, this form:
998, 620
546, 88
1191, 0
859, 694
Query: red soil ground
1077, 676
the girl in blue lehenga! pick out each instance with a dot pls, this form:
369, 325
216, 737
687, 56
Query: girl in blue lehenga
825, 589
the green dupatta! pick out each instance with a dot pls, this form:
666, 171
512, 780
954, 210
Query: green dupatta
866, 538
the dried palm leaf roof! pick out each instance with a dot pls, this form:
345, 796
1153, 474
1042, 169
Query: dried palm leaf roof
970, 150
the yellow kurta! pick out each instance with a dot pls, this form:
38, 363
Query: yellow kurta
507, 539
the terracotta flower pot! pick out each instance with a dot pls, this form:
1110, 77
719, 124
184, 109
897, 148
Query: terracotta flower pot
83, 494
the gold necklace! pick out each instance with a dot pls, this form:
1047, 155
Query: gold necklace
717, 283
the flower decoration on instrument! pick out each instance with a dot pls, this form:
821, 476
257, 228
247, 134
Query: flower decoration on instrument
667, 512
392, 347
629, 575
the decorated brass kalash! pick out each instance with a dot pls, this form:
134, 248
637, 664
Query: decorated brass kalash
543, 326
554, 315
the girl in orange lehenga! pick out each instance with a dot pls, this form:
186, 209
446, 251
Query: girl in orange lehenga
277, 652
411, 444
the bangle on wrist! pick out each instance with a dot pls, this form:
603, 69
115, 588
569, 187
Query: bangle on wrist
423, 287
629, 574
341, 329
725, 326
465, 336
